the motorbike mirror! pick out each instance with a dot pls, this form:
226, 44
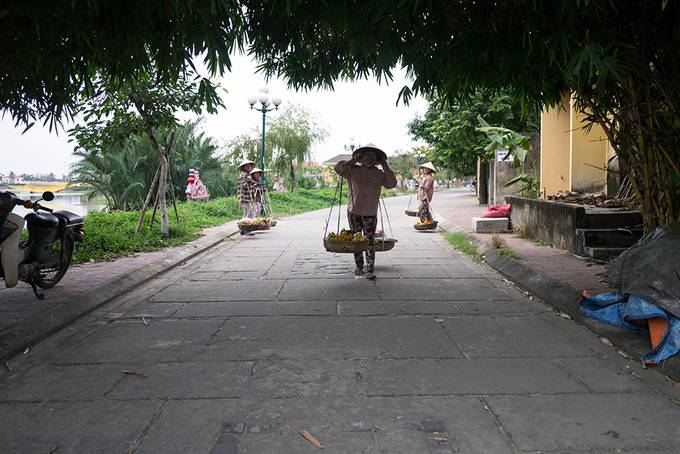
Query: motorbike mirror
48, 196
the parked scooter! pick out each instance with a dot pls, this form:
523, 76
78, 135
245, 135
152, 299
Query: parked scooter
42, 259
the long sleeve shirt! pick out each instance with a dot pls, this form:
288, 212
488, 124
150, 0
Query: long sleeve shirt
365, 184
245, 188
426, 188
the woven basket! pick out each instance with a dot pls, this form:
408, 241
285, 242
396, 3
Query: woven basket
345, 247
384, 244
249, 227
273, 222
411, 212
431, 226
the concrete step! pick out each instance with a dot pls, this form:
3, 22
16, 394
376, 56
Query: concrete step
607, 237
601, 218
604, 253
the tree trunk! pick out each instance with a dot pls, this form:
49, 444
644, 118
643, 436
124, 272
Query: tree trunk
162, 202
292, 177
642, 129
147, 201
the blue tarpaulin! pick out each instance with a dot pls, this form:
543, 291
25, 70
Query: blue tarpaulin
620, 310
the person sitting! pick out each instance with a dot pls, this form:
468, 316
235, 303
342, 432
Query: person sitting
365, 183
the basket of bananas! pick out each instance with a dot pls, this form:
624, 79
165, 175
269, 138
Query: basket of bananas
253, 224
425, 225
347, 242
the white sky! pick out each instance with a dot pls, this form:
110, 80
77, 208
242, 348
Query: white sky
362, 111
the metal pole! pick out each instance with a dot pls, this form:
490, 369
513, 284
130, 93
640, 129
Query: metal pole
264, 116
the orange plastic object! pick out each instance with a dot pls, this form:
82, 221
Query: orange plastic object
657, 328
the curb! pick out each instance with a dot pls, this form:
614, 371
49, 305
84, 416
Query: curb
32, 330
564, 298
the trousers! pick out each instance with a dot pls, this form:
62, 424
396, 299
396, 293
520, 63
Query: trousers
424, 211
367, 226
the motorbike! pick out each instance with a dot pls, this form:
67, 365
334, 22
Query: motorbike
43, 258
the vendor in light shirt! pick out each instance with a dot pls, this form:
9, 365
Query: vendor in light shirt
365, 183
426, 191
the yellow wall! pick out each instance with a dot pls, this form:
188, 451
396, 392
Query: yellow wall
555, 165
571, 158
588, 156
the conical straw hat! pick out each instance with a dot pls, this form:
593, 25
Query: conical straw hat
244, 162
429, 165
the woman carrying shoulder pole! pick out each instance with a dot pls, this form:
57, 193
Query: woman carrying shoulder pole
426, 191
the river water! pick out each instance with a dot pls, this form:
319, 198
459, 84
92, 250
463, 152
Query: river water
75, 202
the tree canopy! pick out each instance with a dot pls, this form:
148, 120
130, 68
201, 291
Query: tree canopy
450, 129
52, 51
620, 60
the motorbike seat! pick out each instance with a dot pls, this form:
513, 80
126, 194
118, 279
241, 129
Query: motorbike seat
68, 218
41, 220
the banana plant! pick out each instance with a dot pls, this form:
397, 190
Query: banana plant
519, 149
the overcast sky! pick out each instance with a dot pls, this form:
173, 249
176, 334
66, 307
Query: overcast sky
361, 111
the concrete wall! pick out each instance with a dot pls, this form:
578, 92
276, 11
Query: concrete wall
542, 220
555, 159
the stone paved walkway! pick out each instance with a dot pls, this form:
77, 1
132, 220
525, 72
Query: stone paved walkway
240, 349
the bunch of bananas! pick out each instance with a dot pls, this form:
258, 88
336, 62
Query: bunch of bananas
254, 221
346, 235
425, 222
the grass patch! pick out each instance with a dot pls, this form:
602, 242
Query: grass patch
463, 242
112, 235
508, 252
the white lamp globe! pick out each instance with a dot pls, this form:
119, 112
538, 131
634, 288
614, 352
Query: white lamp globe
276, 100
252, 100
264, 99
264, 89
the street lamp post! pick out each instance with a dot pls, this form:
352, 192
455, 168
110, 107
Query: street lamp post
264, 107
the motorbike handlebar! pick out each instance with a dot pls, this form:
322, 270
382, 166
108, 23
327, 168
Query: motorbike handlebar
31, 205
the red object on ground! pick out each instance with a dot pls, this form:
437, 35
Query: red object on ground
497, 211
657, 328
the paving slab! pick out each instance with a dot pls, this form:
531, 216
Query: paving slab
132, 342
395, 307
60, 382
328, 289
74, 427
466, 376
266, 290
340, 337
634, 422
518, 336
263, 308
187, 380
440, 289
497, 307
604, 376
394, 425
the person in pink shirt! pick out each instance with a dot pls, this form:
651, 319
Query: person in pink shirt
365, 181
